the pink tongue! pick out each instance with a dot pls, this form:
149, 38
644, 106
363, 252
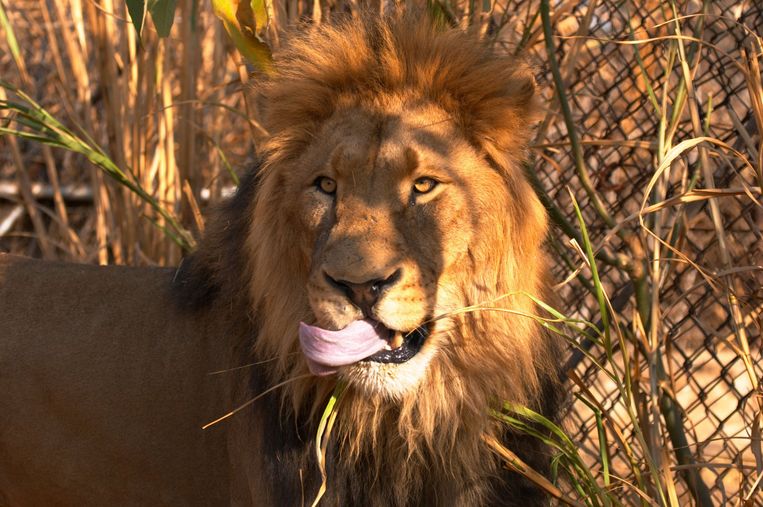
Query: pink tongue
327, 350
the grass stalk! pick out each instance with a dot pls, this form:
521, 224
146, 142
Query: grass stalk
187, 157
48, 130
577, 151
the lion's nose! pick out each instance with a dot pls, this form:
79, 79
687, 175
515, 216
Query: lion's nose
364, 295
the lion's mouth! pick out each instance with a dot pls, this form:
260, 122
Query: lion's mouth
409, 345
362, 340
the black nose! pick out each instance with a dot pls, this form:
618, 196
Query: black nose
364, 295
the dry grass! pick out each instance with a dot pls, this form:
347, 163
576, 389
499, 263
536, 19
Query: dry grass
653, 122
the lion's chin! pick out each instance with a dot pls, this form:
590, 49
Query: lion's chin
390, 380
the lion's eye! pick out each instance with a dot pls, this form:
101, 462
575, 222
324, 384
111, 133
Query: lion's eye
424, 185
325, 185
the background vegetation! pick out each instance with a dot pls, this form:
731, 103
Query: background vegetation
649, 160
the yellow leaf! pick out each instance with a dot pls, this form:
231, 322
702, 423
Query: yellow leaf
245, 20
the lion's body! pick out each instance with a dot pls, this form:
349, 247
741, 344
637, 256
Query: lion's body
103, 389
389, 191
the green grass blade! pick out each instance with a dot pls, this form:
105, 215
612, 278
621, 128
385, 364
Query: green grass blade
137, 11
44, 128
163, 15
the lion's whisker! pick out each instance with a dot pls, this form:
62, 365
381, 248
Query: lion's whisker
521, 313
248, 365
485, 305
249, 402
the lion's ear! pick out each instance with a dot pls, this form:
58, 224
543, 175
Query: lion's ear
523, 87
520, 101
501, 118
495, 97
527, 88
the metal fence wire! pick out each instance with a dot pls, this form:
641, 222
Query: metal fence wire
678, 238
612, 55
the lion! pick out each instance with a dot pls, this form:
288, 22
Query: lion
387, 241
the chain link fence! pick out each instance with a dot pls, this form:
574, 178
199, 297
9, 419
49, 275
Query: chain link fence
612, 56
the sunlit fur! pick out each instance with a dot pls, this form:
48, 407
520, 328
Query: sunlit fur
428, 431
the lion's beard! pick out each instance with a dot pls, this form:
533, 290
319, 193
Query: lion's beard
430, 437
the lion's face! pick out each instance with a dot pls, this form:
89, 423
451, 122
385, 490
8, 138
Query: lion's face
391, 198
390, 205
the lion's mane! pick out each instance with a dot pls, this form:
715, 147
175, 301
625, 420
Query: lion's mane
425, 448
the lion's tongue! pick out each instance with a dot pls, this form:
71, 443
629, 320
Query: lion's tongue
327, 350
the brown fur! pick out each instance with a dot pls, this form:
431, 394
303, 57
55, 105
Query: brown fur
376, 104
337, 91
104, 387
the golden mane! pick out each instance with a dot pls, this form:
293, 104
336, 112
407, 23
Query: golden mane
490, 96
430, 440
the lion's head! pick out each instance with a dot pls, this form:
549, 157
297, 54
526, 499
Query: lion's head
391, 191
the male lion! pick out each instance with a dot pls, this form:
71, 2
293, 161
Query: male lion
389, 204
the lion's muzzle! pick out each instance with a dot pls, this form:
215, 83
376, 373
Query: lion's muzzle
365, 294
